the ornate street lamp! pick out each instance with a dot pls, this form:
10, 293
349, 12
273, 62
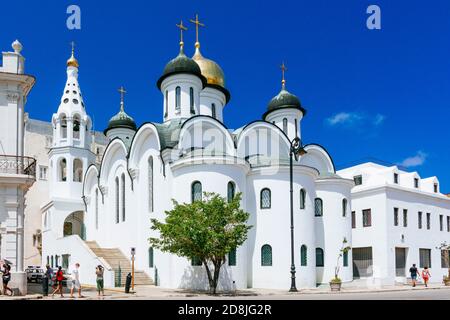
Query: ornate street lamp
296, 149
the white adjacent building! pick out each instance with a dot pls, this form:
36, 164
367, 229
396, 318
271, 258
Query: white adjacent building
398, 219
17, 172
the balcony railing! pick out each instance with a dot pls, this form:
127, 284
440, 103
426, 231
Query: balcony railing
18, 165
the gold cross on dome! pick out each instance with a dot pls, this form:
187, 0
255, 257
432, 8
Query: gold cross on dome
73, 46
182, 28
122, 95
283, 70
197, 24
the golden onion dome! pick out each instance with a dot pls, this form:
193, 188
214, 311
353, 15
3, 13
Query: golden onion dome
72, 62
210, 69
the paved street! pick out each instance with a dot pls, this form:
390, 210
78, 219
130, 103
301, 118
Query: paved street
436, 292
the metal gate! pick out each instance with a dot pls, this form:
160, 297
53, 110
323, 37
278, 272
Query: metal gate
362, 262
400, 262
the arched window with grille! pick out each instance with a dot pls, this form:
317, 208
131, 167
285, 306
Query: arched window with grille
231, 190
191, 98
318, 207
62, 170
63, 122
265, 201
302, 198
76, 127
344, 207
150, 257
319, 257
177, 98
196, 191
123, 196
96, 208
285, 125
150, 184
303, 256
117, 200
213, 110
266, 255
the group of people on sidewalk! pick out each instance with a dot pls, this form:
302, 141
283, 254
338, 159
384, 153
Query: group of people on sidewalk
56, 281
415, 274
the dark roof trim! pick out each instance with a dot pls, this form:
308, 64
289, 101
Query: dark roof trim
303, 110
164, 76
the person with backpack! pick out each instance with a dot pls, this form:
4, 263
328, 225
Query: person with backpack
6, 278
414, 273
59, 281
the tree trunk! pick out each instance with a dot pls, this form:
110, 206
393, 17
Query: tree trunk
210, 278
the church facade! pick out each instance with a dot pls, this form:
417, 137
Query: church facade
97, 213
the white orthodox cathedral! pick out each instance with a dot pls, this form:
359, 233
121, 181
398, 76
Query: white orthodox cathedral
99, 208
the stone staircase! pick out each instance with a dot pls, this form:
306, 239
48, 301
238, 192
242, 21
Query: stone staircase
116, 258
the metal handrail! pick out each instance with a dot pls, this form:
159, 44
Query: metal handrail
18, 165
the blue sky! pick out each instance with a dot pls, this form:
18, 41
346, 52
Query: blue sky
380, 94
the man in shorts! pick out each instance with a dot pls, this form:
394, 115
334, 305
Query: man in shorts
75, 282
414, 273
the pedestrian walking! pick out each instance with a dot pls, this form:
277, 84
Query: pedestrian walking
99, 273
414, 272
75, 282
59, 281
426, 275
6, 278
48, 276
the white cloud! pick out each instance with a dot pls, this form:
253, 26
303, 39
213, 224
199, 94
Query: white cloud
355, 119
379, 119
344, 118
414, 161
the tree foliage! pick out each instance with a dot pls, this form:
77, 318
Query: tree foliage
206, 230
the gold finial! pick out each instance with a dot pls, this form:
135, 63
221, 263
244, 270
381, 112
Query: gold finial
182, 28
197, 24
122, 95
72, 62
283, 70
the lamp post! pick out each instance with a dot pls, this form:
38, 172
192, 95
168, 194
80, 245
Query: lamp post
295, 150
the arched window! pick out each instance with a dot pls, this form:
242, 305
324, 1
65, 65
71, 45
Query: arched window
123, 196
196, 191
53, 265
344, 207
303, 256
191, 99
150, 184
63, 170
266, 255
76, 127
177, 98
213, 110
96, 208
285, 125
117, 200
77, 170
302, 198
150, 257
265, 201
319, 257
166, 105
232, 258
63, 127
318, 207
231, 189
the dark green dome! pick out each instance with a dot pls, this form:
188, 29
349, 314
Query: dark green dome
181, 64
284, 99
121, 120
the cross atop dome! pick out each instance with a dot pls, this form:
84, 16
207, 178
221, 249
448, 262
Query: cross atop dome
73, 62
197, 24
283, 71
122, 95
182, 28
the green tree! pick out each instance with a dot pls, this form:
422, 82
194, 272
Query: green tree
206, 230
